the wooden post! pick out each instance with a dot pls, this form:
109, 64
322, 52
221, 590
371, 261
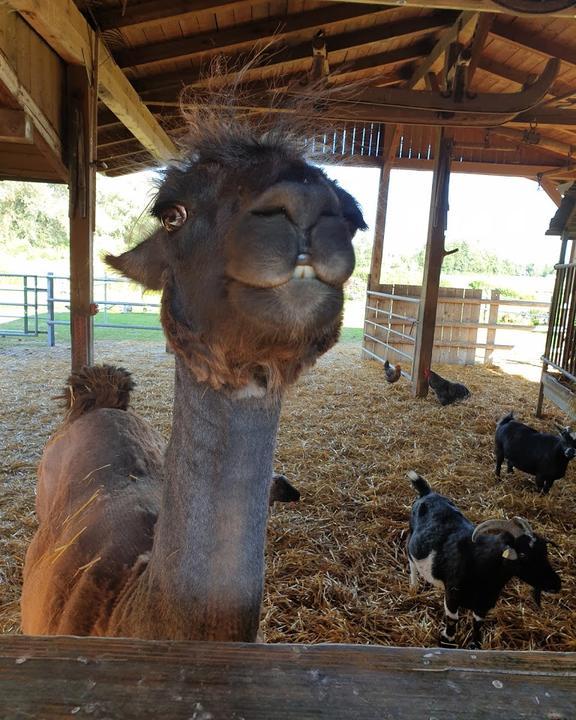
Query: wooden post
563, 247
390, 138
82, 107
491, 332
432, 264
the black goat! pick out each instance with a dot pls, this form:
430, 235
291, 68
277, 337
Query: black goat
470, 565
544, 455
282, 491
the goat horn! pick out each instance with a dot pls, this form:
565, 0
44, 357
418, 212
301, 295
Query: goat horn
524, 525
502, 525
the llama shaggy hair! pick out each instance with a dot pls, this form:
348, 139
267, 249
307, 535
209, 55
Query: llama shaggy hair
99, 386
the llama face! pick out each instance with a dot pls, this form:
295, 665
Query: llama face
252, 256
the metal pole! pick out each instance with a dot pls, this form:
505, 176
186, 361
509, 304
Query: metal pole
50, 308
25, 304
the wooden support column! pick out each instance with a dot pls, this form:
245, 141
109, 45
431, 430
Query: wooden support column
433, 264
390, 139
563, 247
82, 106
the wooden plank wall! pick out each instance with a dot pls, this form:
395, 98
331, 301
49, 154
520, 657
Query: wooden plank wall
119, 679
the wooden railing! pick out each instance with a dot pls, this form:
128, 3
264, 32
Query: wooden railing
558, 382
117, 679
391, 318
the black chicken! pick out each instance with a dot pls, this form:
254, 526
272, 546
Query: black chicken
447, 392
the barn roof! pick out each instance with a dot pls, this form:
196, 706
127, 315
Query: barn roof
151, 49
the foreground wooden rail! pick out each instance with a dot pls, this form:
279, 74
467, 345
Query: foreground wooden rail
109, 679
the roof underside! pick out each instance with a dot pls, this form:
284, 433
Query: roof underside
163, 46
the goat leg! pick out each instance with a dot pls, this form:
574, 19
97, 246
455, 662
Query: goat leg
448, 634
477, 626
499, 460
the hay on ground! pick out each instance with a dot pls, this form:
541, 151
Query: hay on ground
336, 569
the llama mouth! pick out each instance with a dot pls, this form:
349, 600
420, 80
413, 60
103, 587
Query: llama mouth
303, 272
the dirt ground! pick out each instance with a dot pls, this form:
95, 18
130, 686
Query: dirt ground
336, 569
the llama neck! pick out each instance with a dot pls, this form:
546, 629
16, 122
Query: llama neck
204, 579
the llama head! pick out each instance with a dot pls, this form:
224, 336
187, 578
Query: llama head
253, 247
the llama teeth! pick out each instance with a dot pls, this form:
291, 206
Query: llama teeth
303, 272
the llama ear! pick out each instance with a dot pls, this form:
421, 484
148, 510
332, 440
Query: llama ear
145, 263
350, 210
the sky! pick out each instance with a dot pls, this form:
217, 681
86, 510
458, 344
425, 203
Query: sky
506, 216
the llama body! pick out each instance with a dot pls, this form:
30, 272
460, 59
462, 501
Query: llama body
253, 248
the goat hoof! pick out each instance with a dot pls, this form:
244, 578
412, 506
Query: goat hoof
474, 646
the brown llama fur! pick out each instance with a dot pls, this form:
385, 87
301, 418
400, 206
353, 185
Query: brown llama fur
98, 386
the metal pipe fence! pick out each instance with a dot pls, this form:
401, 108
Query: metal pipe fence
32, 305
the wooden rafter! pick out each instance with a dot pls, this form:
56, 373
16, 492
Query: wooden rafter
247, 33
471, 5
342, 42
478, 41
555, 146
150, 11
65, 30
462, 30
550, 189
531, 40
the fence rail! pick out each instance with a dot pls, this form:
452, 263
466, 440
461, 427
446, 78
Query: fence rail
30, 304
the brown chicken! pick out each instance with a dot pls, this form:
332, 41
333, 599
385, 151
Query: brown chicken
392, 373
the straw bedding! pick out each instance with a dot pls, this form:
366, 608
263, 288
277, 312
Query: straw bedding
336, 569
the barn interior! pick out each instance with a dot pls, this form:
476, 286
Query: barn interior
473, 86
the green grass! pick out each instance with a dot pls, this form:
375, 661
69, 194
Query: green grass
150, 320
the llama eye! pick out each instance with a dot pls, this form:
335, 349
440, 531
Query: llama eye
174, 217
270, 212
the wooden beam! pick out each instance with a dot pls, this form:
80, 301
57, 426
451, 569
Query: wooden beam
151, 11
478, 41
555, 146
62, 26
534, 42
432, 265
462, 30
488, 168
550, 189
10, 80
81, 111
341, 43
391, 134
376, 64
15, 126
50, 677
487, 6
247, 33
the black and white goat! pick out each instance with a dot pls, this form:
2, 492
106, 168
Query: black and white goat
544, 455
469, 564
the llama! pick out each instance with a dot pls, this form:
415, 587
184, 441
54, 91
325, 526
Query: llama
253, 246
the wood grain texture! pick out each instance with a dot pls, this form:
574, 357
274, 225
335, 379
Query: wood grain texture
124, 679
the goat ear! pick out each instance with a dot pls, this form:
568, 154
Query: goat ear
145, 263
510, 554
